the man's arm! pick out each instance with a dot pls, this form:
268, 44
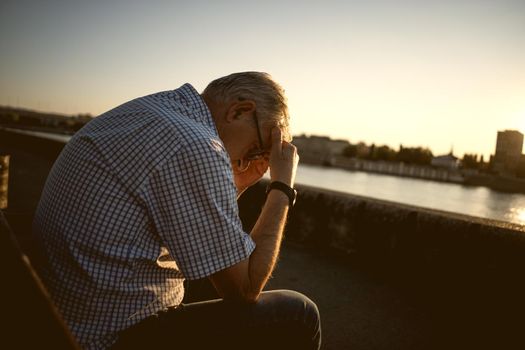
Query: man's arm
245, 280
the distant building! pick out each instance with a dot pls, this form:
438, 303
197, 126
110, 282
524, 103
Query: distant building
509, 145
319, 149
448, 161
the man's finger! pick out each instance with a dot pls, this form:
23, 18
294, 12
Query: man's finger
276, 141
288, 151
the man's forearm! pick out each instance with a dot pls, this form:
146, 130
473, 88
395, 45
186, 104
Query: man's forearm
267, 234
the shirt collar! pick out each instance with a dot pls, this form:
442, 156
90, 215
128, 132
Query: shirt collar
196, 102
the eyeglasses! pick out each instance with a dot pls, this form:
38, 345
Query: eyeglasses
259, 153
244, 164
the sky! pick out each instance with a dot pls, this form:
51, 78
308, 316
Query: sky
437, 74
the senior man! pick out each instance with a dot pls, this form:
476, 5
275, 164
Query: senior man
145, 196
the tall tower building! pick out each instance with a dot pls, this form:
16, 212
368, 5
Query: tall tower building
509, 145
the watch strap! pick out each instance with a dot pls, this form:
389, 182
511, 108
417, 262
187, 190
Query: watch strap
290, 192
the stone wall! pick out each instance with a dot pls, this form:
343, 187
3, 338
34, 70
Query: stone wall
398, 239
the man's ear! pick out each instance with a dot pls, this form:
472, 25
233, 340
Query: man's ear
240, 108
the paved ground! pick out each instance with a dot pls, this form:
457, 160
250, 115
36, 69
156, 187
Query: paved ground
358, 311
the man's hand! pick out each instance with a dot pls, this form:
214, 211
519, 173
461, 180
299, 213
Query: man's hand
250, 176
283, 159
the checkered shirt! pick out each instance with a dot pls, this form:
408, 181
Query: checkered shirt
139, 199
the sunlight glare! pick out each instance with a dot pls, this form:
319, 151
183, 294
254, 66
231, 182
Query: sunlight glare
517, 215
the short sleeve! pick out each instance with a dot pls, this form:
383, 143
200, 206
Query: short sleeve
194, 208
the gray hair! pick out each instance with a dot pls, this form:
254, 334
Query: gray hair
272, 108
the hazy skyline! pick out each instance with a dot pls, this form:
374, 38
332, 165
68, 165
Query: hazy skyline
416, 73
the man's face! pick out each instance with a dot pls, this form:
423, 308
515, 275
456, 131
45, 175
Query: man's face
245, 138
257, 151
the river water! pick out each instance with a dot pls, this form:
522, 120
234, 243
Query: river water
476, 201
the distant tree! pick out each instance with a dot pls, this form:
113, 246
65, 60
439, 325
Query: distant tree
470, 161
423, 156
362, 150
483, 166
490, 165
417, 155
371, 152
414, 155
385, 153
350, 151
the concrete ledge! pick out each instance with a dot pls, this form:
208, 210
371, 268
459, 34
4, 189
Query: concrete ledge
351, 224
399, 239
47, 148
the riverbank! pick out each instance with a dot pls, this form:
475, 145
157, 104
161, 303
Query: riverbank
430, 173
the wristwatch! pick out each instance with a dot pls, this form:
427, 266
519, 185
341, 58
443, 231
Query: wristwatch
290, 192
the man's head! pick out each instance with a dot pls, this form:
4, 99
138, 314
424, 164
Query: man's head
244, 106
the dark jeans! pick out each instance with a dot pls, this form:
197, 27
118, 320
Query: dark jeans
281, 319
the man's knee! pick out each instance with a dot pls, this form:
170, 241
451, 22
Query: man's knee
290, 302
294, 314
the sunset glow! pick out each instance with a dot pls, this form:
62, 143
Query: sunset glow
414, 73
